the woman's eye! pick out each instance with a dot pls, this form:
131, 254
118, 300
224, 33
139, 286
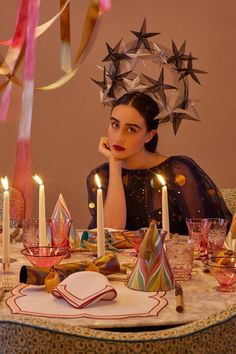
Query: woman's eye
131, 130
114, 125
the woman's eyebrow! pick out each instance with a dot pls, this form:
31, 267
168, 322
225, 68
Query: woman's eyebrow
127, 124
116, 120
133, 125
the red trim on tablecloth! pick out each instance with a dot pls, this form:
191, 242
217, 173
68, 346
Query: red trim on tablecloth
17, 293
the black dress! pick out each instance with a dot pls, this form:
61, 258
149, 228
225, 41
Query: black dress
191, 194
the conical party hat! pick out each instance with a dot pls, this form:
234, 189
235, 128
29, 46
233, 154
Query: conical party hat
61, 211
152, 271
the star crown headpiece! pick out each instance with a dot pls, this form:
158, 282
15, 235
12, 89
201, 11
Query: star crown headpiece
123, 72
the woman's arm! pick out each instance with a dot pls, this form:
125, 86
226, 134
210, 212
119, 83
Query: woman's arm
195, 192
115, 204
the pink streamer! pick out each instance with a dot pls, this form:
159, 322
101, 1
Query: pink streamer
23, 170
5, 102
22, 178
21, 23
105, 5
12, 55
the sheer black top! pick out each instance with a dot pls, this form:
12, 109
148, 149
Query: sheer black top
191, 194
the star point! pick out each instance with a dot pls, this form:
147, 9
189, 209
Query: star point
142, 36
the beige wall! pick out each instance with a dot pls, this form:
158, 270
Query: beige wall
68, 122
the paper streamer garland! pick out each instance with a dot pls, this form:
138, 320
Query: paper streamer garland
22, 46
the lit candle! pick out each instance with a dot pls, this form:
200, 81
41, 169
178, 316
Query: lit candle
6, 225
165, 207
100, 219
42, 213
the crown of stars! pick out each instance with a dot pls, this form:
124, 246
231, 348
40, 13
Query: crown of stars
169, 87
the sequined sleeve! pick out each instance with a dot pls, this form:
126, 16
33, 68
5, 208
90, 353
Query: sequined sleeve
195, 194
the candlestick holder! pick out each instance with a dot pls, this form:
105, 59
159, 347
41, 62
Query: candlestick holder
12, 260
6, 267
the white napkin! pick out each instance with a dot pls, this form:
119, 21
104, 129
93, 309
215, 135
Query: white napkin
84, 288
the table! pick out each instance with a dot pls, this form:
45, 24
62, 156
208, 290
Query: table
208, 316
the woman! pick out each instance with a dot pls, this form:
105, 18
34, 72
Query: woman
131, 189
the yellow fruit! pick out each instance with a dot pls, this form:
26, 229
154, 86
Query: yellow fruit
225, 257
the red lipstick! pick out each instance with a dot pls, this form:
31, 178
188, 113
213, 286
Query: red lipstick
118, 148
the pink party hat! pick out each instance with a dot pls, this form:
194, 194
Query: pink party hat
152, 271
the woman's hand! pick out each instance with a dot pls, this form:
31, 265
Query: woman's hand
103, 147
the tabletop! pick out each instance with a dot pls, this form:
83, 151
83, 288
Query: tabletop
200, 299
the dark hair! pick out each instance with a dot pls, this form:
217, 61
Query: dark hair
148, 108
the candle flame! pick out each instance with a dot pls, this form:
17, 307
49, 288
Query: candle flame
37, 179
98, 182
4, 183
161, 179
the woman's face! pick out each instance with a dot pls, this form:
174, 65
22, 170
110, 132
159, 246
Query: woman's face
127, 132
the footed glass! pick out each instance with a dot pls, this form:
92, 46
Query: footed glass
30, 233
60, 231
44, 257
180, 256
224, 270
217, 230
135, 238
198, 231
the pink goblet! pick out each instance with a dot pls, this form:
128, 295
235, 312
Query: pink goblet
135, 238
217, 230
60, 230
44, 257
198, 230
30, 233
224, 270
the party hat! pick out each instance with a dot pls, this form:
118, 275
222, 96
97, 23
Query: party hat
152, 271
61, 211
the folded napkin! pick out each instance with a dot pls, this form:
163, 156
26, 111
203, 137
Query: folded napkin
230, 241
35, 276
113, 238
61, 211
107, 264
84, 288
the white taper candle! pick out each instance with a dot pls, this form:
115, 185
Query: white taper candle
100, 220
6, 225
42, 213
